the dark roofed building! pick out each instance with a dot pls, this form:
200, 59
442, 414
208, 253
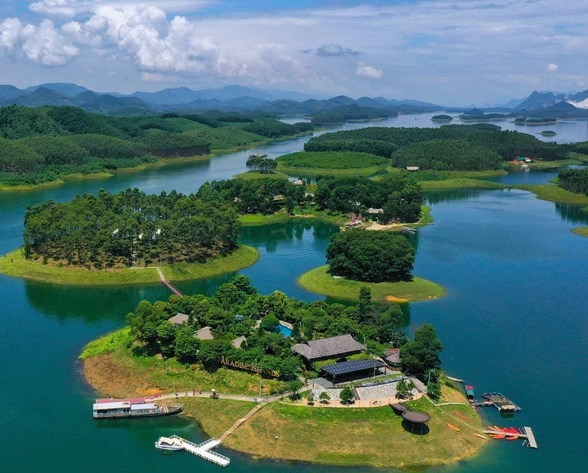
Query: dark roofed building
179, 319
333, 347
393, 357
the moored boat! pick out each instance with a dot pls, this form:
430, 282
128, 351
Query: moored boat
139, 407
166, 443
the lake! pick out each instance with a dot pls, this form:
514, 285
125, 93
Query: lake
513, 320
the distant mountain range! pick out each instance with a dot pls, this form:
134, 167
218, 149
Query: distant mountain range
229, 98
542, 100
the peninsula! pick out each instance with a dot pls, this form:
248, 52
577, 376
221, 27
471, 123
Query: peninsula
231, 356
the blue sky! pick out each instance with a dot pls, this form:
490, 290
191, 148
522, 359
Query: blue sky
446, 51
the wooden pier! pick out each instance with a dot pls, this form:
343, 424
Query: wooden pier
524, 433
204, 450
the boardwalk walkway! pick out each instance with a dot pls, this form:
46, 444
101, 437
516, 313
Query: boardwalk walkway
240, 422
167, 283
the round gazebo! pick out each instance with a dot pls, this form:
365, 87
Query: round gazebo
414, 419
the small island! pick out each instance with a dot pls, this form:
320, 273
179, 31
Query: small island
380, 261
532, 121
548, 133
235, 361
129, 238
442, 118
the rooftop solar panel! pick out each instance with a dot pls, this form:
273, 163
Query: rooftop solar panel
351, 366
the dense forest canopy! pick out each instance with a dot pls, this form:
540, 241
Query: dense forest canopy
331, 160
254, 196
574, 180
72, 140
385, 141
234, 311
447, 155
364, 255
348, 113
130, 227
399, 195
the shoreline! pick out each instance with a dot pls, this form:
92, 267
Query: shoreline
318, 281
111, 370
14, 264
160, 162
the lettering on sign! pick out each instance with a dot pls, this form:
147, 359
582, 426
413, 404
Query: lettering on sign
244, 366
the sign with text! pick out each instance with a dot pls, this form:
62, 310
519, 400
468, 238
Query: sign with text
244, 366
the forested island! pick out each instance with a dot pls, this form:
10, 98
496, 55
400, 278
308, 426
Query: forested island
231, 343
351, 112
38, 145
534, 121
442, 118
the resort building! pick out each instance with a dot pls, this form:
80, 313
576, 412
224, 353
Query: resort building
393, 358
333, 347
179, 319
204, 334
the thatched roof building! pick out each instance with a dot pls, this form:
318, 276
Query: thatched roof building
333, 347
179, 319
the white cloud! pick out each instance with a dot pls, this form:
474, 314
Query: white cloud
551, 67
42, 43
72, 8
368, 71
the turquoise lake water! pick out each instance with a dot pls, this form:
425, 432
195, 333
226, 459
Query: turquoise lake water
514, 320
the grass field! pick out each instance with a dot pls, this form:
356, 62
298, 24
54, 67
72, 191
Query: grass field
320, 282
357, 437
14, 264
460, 183
112, 369
311, 172
582, 231
215, 416
331, 160
250, 175
554, 193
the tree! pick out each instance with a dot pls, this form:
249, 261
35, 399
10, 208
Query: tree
347, 395
294, 387
387, 322
166, 338
362, 255
325, 397
404, 388
310, 398
434, 390
365, 301
186, 346
270, 323
422, 354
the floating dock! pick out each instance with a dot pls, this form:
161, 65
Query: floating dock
524, 433
204, 450
497, 400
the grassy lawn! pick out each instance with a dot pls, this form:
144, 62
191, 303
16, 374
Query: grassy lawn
261, 219
310, 172
14, 264
582, 231
215, 416
554, 193
242, 257
250, 175
320, 282
582, 158
112, 369
460, 183
356, 437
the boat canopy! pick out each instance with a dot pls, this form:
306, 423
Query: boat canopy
140, 407
102, 406
167, 440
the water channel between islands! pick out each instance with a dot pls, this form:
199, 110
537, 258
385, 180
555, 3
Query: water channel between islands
513, 320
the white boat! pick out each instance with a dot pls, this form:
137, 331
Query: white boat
165, 443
